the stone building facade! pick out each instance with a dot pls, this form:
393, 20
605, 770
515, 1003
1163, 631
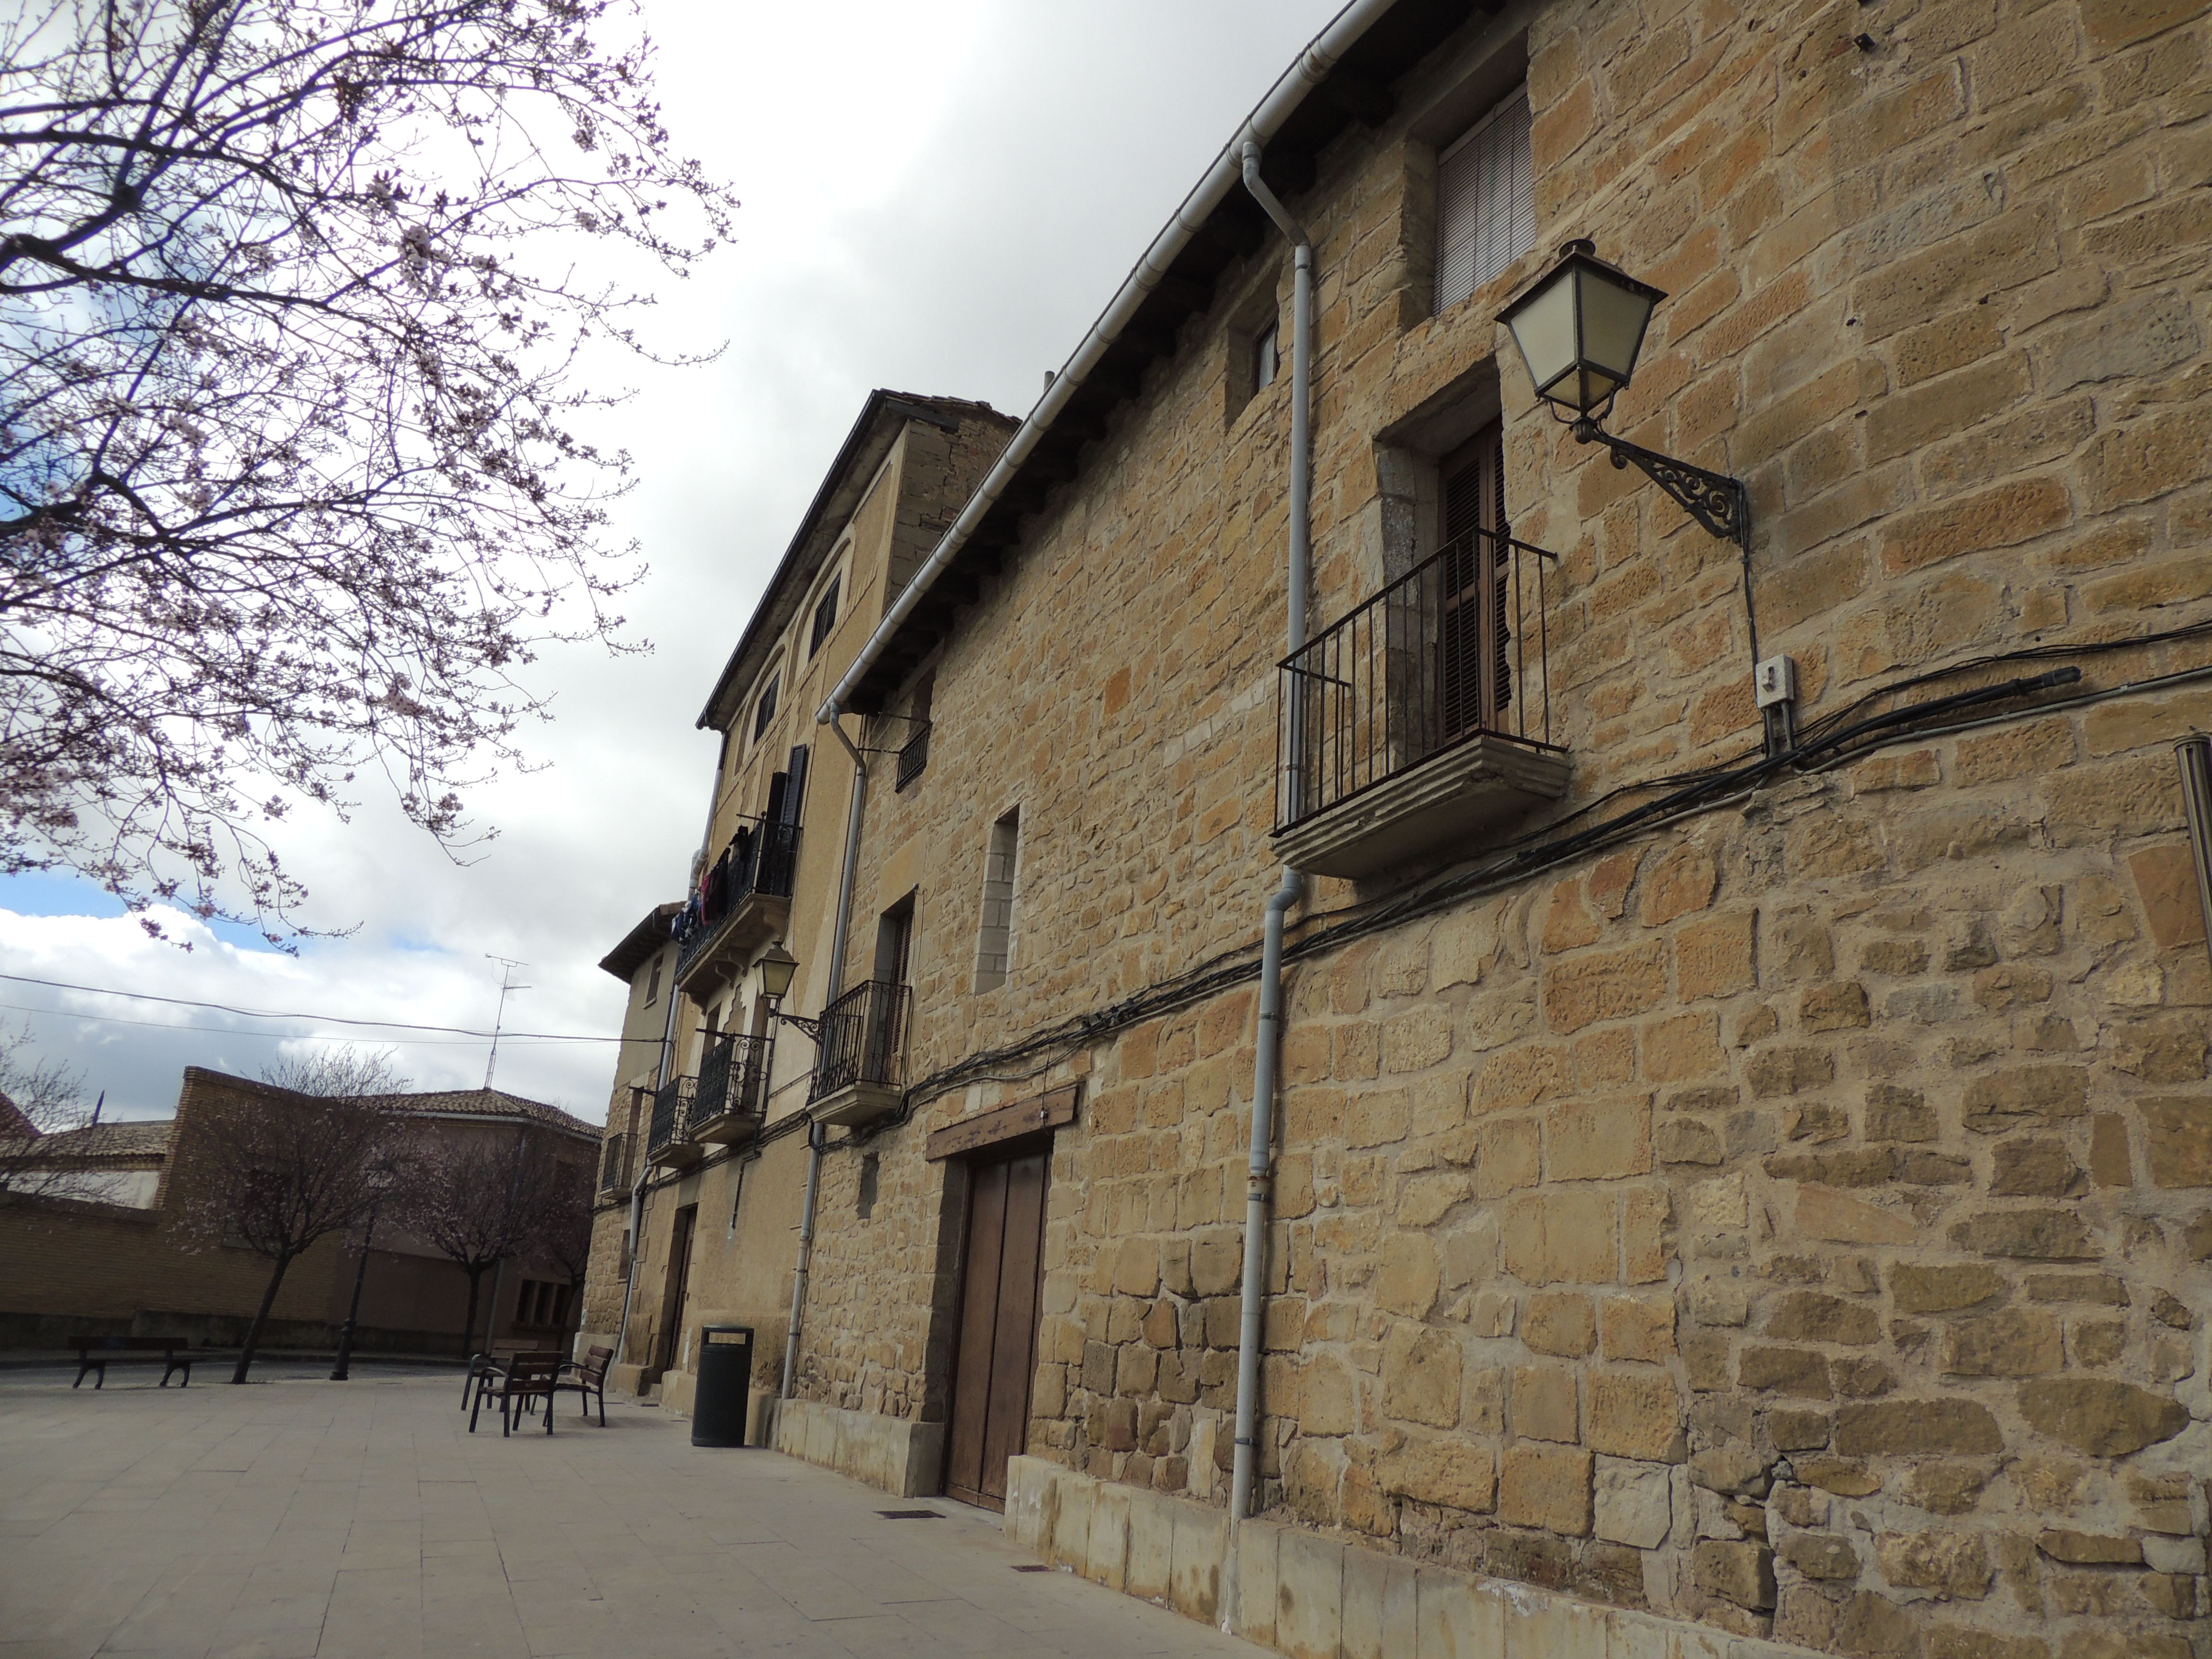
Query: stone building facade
1766, 1192
714, 1197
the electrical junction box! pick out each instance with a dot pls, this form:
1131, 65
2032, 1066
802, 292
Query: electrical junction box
1775, 680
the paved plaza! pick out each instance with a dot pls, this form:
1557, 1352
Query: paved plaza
298, 1516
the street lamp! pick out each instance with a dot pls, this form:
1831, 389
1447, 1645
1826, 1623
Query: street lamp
777, 966
1580, 330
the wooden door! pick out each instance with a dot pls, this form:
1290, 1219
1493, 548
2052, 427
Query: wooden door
1474, 685
1000, 1284
679, 1286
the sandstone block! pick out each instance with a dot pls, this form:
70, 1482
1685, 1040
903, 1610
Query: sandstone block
1636, 1329
2099, 1416
1633, 1503
1948, 1562
1594, 1141
1834, 1007
1561, 1237
1872, 1626
1789, 1070
1609, 985
2027, 1235
1679, 883
1421, 1375
1742, 1573
2089, 1549
2178, 1139
1909, 1428
1547, 1487
1821, 1555
1713, 958
1895, 1114
1801, 1373
1636, 1414
1813, 1316
2018, 1342
1137, 1267
1453, 1472
2048, 1093
1560, 1323
1824, 1212
2034, 1168
1915, 1289
1544, 1404
1407, 1278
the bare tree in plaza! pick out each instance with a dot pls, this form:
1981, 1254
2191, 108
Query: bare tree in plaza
278, 1171
292, 296
480, 1200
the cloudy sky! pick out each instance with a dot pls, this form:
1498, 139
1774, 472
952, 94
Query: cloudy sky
937, 199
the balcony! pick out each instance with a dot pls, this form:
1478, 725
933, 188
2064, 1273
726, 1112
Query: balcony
860, 1071
746, 903
614, 1164
913, 758
671, 1144
1421, 723
730, 1095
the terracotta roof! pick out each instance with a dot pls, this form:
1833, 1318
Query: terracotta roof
108, 1140
486, 1102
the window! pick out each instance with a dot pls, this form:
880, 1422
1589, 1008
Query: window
1266, 357
1485, 202
994, 944
653, 985
895, 942
765, 711
825, 617
866, 1204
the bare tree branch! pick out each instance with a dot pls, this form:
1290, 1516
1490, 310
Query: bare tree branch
290, 485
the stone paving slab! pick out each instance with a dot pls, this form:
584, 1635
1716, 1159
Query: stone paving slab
304, 1519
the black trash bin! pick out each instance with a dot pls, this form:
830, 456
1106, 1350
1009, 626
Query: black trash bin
726, 1385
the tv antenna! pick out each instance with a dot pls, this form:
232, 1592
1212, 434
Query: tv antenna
507, 965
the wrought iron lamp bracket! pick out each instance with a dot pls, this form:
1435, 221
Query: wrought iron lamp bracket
811, 1029
1715, 500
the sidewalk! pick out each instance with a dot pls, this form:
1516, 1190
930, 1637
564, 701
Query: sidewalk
302, 1517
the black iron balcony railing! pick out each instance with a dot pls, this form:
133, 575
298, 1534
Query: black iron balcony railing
614, 1164
671, 1113
1454, 649
762, 860
913, 757
733, 1078
863, 1039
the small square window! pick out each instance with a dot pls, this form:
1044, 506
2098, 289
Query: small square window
1266, 357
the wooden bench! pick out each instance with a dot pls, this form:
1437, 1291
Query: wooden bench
96, 1354
587, 1377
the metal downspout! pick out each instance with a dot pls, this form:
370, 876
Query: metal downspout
1261, 1166
836, 984
637, 1185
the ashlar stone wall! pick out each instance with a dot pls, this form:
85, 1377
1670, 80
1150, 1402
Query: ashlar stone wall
1795, 1218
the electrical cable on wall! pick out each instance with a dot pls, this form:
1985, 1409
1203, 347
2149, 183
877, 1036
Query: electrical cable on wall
1838, 738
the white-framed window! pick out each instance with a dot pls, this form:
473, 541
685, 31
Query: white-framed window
1485, 201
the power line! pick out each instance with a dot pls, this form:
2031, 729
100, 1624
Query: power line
327, 1019
258, 1037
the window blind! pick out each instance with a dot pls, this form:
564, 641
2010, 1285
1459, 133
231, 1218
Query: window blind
1485, 202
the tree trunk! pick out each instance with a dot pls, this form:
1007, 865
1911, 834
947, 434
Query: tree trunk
260, 1318
469, 1324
